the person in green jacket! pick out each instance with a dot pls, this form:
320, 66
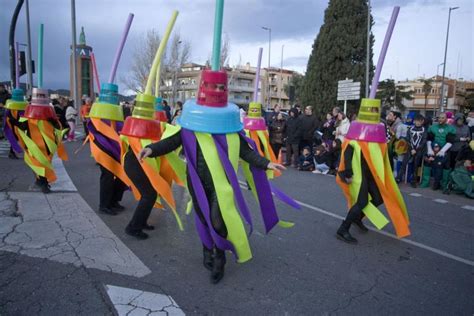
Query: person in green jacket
444, 135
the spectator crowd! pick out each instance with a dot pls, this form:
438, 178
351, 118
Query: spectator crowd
423, 152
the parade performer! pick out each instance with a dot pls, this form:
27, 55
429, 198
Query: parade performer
255, 126
213, 141
40, 130
104, 125
365, 175
14, 110
154, 177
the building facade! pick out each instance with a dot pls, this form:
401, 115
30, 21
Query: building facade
454, 95
241, 82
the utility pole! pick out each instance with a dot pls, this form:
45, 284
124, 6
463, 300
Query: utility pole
269, 97
445, 54
74, 56
11, 43
281, 75
29, 64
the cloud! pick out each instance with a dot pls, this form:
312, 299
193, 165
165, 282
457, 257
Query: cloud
418, 37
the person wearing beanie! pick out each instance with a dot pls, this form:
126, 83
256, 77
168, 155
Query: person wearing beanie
462, 138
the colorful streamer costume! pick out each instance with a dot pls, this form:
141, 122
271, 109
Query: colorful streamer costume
256, 129
213, 141
41, 134
14, 110
104, 124
151, 180
365, 161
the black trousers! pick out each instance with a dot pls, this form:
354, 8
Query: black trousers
86, 130
368, 186
111, 188
276, 149
216, 216
292, 154
417, 159
135, 172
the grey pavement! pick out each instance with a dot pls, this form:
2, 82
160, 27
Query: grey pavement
302, 270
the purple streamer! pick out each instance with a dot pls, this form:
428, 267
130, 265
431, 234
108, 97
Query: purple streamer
10, 134
284, 198
222, 150
203, 232
111, 147
264, 194
190, 151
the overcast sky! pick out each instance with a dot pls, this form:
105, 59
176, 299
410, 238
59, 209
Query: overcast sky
416, 48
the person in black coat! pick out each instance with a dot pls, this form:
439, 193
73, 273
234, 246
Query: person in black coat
292, 139
307, 125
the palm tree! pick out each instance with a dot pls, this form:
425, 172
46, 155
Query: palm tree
427, 90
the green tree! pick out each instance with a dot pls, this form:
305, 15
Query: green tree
339, 52
427, 90
295, 84
392, 97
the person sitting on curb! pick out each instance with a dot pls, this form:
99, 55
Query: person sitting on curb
322, 160
306, 160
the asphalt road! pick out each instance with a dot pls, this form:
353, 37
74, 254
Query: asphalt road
301, 270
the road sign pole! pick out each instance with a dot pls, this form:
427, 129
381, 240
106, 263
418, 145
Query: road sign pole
345, 107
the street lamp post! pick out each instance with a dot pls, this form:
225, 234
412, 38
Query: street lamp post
268, 70
436, 101
281, 75
75, 88
445, 54
28, 51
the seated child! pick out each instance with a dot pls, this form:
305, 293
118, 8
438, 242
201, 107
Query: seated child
306, 162
322, 160
335, 155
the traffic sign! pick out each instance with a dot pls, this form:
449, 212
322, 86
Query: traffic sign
348, 90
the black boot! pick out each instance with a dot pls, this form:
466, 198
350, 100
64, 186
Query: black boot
117, 206
12, 155
139, 234
344, 235
361, 226
207, 258
218, 266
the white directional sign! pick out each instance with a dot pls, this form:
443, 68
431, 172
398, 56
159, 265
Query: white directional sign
348, 90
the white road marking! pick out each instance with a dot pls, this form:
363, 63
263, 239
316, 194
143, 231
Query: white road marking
441, 201
415, 194
468, 207
405, 240
135, 302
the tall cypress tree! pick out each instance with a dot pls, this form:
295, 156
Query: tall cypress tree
339, 52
